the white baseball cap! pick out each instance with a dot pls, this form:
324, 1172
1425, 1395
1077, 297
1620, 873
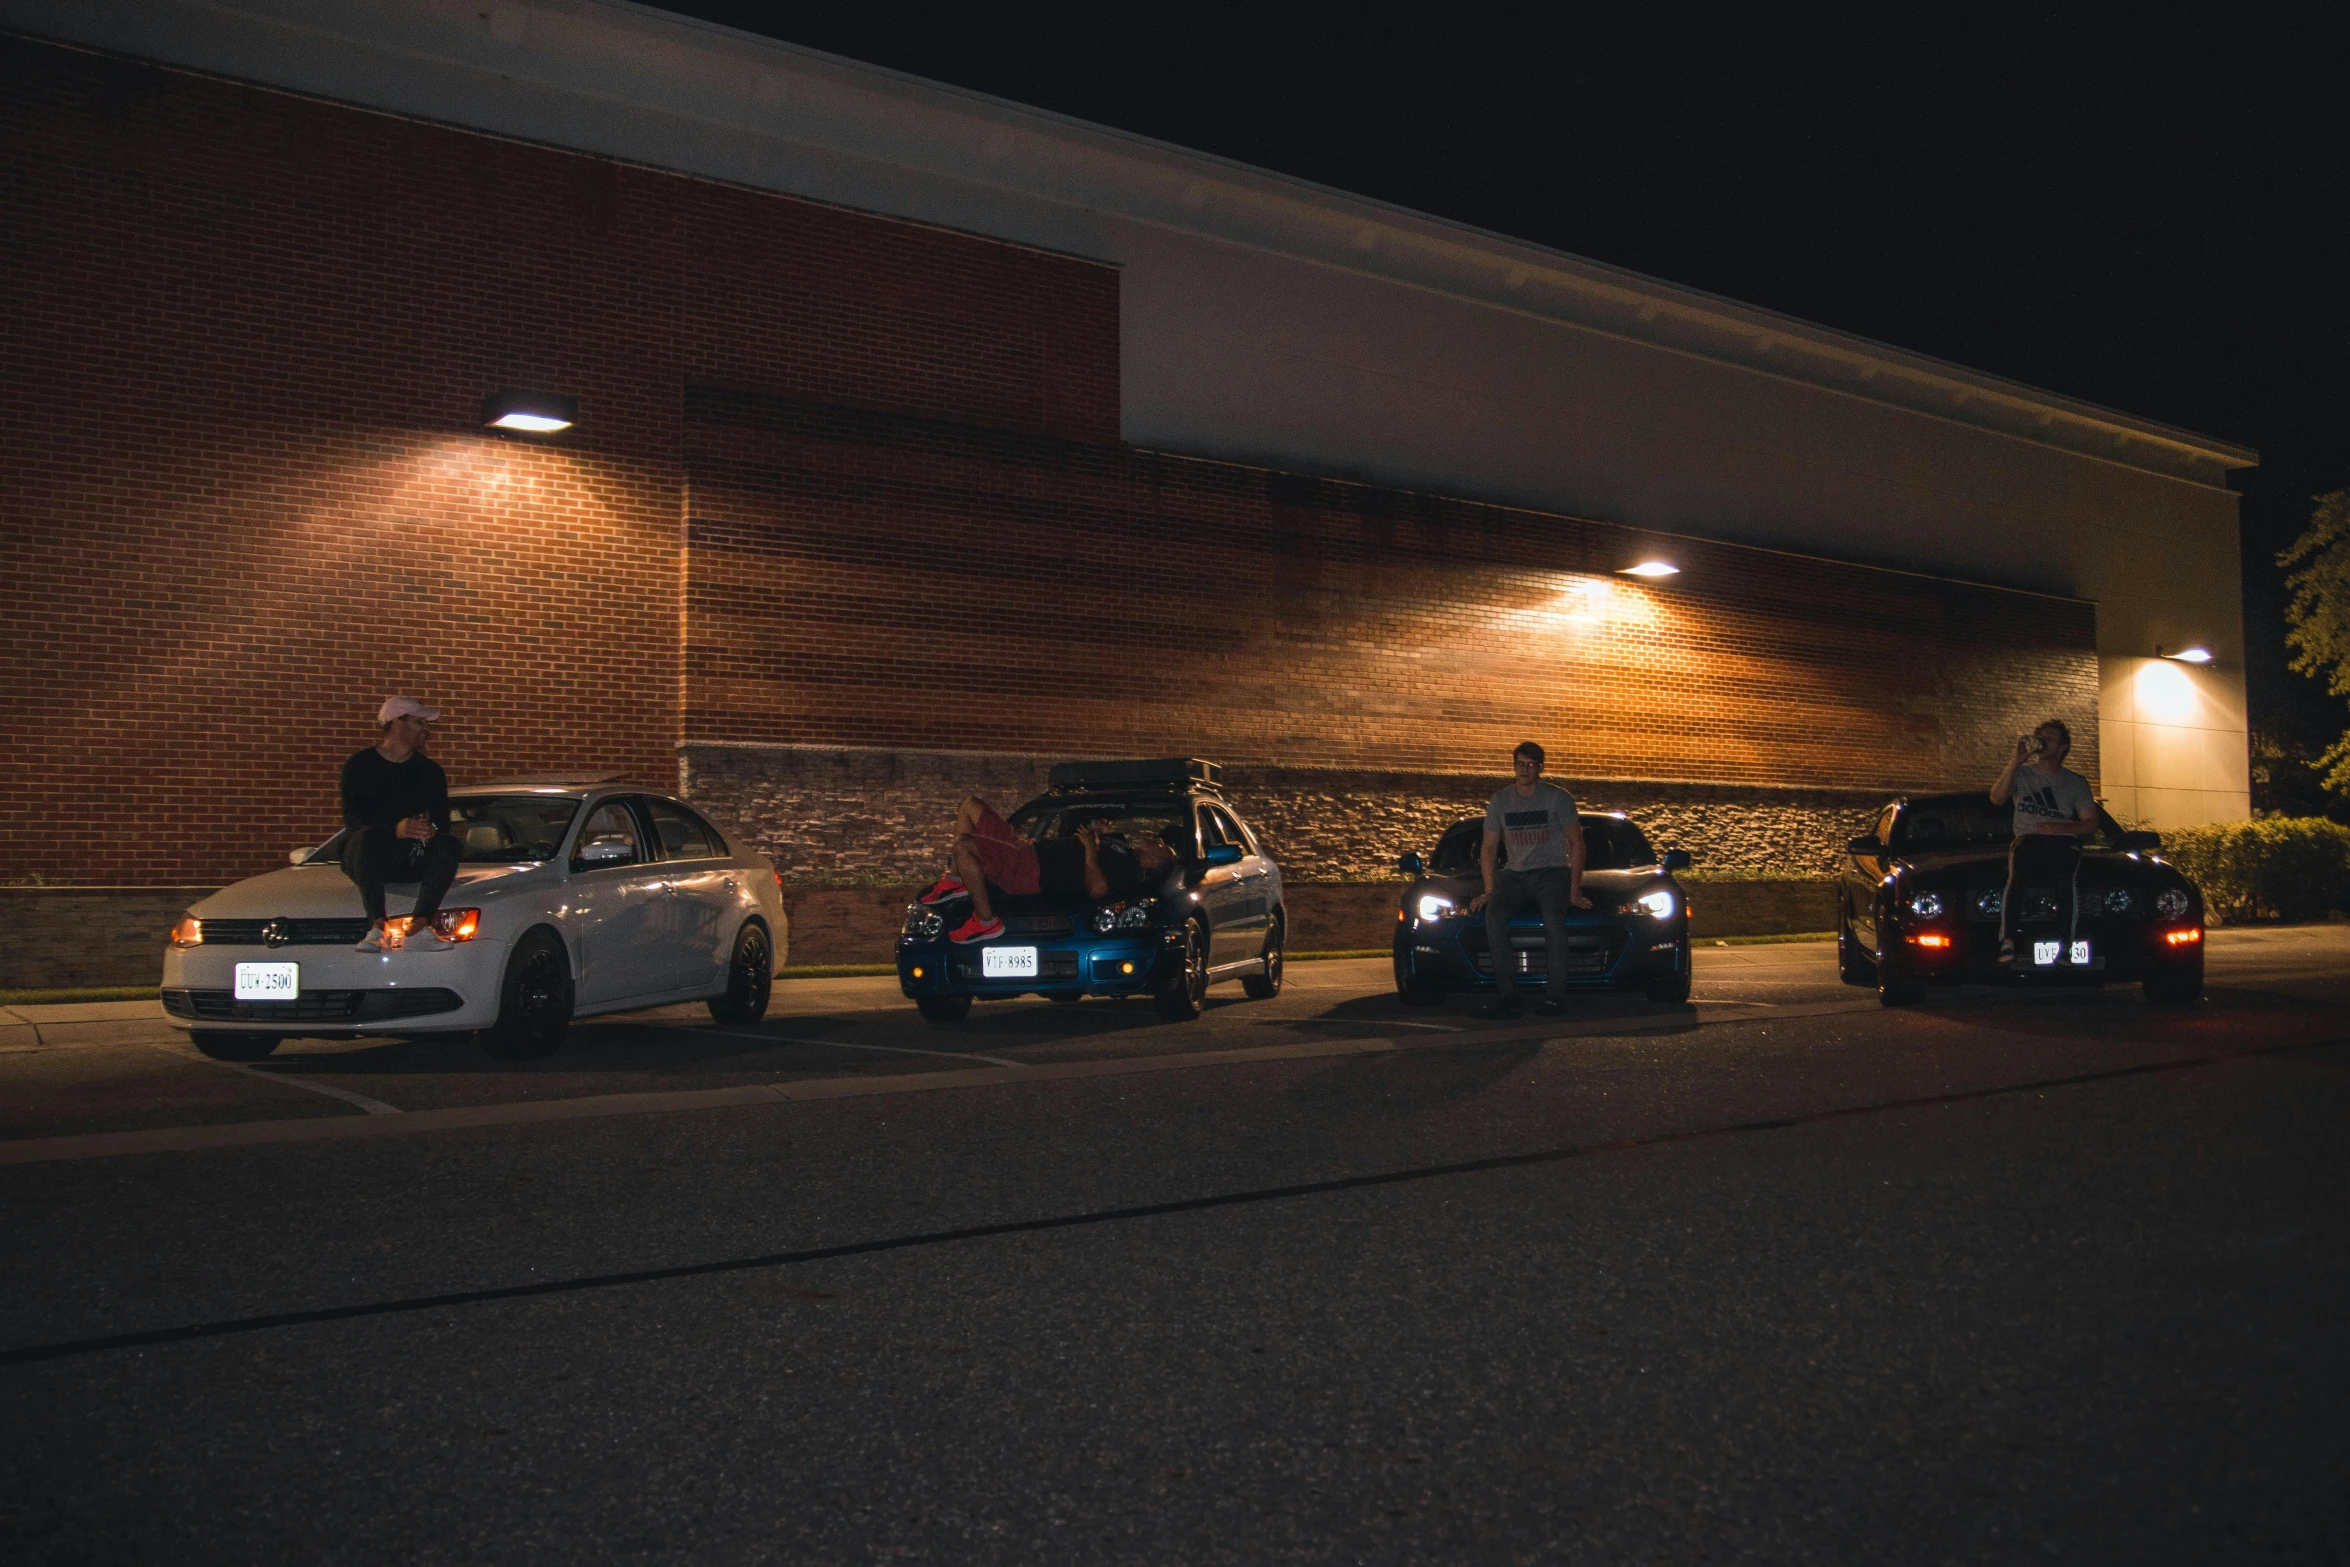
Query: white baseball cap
405, 707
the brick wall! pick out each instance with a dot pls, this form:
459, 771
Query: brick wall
243, 490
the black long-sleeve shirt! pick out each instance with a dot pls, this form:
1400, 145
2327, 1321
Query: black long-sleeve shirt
377, 793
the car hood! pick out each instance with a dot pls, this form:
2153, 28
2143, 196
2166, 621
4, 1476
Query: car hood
1603, 888
1975, 862
324, 892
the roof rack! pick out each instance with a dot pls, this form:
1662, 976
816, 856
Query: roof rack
556, 781
1113, 775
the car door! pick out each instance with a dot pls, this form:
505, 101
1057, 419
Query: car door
1864, 872
704, 894
1223, 893
618, 896
1244, 935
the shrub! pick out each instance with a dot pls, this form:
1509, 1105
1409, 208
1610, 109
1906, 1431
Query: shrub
2284, 867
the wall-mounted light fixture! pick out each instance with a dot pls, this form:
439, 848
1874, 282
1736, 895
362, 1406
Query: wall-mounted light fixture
1650, 568
2197, 654
529, 413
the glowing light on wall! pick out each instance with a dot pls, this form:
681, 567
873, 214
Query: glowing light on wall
1652, 568
2166, 693
529, 413
2186, 655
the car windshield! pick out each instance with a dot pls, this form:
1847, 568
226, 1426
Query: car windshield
1609, 844
499, 829
1137, 821
1953, 821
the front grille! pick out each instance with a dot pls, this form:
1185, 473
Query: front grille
1049, 965
1588, 951
292, 933
316, 1006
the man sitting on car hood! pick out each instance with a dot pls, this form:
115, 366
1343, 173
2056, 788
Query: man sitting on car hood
396, 810
1089, 863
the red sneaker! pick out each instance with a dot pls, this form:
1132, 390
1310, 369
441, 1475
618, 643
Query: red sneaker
976, 929
946, 889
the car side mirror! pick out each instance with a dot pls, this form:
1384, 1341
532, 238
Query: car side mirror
1675, 860
2141, 842
606, 851
1411, 865
1221, 854
1866, 843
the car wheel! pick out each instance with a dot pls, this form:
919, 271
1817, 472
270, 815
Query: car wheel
2179, 986
1411, 989
1185, 992
534, 1003
1896, 986
1672, 990
1853, 966
750, 979
233, 1047
1265, 986
943, 1009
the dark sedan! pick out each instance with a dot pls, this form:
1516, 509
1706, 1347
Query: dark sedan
1921, 894
1635, 935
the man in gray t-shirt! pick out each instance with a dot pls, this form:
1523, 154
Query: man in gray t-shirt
1532, 828
2054, 811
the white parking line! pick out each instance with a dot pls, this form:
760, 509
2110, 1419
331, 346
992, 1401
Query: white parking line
371, 1106
842, 1044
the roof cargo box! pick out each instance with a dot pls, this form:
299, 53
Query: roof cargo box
1119, 775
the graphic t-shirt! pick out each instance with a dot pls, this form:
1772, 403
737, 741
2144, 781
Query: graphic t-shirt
2044, 796
1533, 828
1060, 869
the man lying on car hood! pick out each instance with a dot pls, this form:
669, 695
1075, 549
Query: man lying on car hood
1089, 863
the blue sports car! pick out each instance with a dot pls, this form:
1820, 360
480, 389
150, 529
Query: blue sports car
1635, 935
1215, 915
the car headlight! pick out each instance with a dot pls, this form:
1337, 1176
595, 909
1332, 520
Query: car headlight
1657, 905
1989, 903
1926, 905
1136, 915
189, 932
2171, 903
1434, 906
457, 924
923, 922
2119, 901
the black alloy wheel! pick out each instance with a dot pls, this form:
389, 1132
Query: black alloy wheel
534, 1003
2176, 984
1672, 989
1410, 989
1853, 966
1265, 986
1185, 992
1896, 985
750, 978
233, 1047
943, 1009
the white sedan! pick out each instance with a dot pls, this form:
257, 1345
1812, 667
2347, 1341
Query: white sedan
570, 900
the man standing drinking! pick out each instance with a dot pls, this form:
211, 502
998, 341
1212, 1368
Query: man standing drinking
1531, 826
2054, 811
396, 812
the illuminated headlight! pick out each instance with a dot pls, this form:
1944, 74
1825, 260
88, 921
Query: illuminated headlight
2171, 903
1136, 915
923, 922
1105, 920
1926, 905
2119, 901
457, 924
1657, 905
1433, 907
1988, 904
189, 932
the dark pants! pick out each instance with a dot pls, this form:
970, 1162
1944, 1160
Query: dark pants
375, 855
1512, 891
2035, 859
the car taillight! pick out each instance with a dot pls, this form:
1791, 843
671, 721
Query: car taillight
189, 932
457, 924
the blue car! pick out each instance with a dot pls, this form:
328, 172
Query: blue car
1216, 915
1635, 935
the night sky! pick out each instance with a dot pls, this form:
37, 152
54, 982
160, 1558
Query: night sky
2143, 214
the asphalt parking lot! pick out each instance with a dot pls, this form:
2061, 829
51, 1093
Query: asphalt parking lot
1779, 1275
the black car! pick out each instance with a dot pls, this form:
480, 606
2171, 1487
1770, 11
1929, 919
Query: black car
1635, 935
1216, 915
1920, 895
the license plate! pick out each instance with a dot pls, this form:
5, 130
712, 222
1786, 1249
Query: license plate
2080, 954
1007, 962
269, 981
2045, 953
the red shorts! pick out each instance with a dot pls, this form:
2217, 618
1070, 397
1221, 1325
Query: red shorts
1007, 859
